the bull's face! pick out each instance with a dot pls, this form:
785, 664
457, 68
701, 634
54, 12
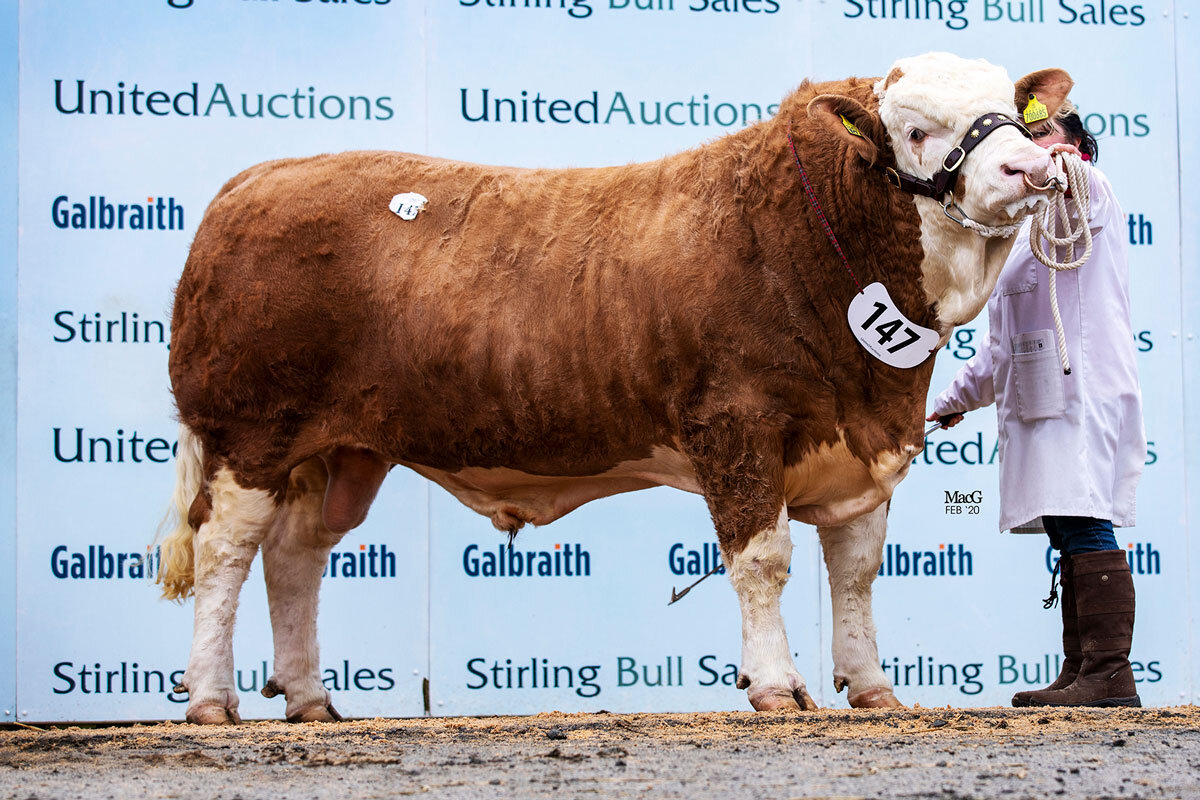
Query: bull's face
928, 105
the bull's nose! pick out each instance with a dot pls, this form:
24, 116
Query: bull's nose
1036, 171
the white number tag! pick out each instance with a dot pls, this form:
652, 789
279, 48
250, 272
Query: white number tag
885, 332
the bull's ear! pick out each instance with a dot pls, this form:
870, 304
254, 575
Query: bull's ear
847, 119
1049, 86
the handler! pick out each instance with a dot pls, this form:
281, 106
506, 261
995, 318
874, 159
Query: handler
1072, 445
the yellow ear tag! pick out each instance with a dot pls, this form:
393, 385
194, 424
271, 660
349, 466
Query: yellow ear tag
850, 126
1036, 110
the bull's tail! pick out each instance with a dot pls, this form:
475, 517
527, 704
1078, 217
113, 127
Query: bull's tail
176, 566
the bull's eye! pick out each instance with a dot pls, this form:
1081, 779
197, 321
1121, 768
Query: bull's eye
917, 135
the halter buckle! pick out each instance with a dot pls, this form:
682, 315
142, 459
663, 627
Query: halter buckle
892, 176
962, 154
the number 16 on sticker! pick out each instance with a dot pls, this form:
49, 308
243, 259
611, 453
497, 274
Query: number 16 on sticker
883, 330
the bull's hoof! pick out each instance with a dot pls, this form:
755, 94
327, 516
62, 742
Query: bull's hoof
212, 714
316, 712
774, 700
880, 697
782, 700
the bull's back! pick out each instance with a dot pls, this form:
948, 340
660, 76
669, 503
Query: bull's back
310, 316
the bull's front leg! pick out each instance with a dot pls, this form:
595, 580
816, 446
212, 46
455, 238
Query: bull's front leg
740, 474
853, 553
759, 572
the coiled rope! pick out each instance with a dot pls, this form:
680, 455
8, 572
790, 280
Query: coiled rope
1056, 216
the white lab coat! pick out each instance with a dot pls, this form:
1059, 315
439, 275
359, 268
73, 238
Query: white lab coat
1085, 461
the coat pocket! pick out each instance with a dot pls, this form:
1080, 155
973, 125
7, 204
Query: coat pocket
1019, 276
1038, 375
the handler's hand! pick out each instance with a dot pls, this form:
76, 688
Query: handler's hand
947, 420
1062, 147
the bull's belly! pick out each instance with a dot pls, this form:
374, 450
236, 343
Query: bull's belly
829, 486
512, 498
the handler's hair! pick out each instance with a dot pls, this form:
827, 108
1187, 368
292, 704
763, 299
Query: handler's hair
1068, 117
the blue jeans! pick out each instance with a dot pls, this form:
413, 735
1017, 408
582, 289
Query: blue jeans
1075, 535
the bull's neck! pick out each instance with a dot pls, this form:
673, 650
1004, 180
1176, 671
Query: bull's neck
960, 267
877, 227
799, 269
888, 236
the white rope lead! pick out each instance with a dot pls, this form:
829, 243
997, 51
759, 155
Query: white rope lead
990, 231
1055, 216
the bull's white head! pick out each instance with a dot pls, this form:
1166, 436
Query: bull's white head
928, 104
927, 107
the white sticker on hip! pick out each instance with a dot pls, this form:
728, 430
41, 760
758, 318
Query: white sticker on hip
408, 205
885, 332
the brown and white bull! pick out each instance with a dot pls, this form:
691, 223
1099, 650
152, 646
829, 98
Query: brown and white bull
536, 339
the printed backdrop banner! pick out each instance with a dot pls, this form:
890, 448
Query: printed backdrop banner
424, 610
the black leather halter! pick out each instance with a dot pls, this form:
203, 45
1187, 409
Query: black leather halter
942, 181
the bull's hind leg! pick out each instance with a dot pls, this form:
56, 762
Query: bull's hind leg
294, 556
224, 549
852, 557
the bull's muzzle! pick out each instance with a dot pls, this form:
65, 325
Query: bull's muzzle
1040, 174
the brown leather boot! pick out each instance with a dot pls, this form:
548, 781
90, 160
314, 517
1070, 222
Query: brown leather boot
1073, 656
1104, 604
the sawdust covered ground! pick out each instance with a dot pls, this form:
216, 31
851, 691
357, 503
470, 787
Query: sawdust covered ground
921, 753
